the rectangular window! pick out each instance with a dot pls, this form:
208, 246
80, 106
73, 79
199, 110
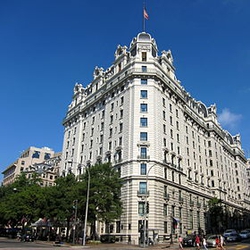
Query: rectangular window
120, 141
163, 102
144, 56
144, 122
142, 187
120, 127
46, 156
144, 68
144, 107
143, 136
143, 168
122, 100
111, 119
177, 125
121, 113
164, 128
165, 209
141, 208
144, 94
165, 227
36, 154
144, 153
171, 120
144, 81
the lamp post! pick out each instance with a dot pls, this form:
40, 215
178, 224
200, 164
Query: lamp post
75, 203
145, 209
87, 204
86, 210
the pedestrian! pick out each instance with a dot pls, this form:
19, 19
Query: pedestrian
204, 243
222, 242
198, 242
217, 242
180, 240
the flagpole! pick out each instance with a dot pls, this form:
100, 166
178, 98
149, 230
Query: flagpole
144, 21
144, 16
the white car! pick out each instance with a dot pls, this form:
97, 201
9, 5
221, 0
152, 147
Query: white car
244, 234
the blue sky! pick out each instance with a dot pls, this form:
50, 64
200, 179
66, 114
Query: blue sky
46, 46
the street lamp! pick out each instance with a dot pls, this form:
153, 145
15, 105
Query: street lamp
75, 203
87, 204
145, 209
86, 210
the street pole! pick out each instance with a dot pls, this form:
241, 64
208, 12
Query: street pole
87, 204
86, 210
145, 210
74, 232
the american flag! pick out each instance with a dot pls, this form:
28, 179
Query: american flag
145, 14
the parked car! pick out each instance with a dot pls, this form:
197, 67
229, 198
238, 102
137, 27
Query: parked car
107, 238
228, 232
189, 241
211, 240
244, 234
233, 237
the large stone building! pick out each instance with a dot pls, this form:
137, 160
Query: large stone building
42, 161
169, 149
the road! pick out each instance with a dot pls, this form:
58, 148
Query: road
8, 244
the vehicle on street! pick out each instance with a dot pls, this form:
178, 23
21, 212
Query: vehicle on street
211, 240
107, 238
233, 237
244, 234
189, 241
228, 232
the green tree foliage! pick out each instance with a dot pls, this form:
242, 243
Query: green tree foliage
216, 214
21, 202
25, 199
104, 197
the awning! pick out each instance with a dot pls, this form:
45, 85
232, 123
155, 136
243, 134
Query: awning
41, 223
177, 220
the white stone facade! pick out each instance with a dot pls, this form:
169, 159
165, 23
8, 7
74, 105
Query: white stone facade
137, 115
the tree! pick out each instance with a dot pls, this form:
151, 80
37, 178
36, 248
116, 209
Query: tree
60, 201
216, 214
25, 201
22, 202
104, 199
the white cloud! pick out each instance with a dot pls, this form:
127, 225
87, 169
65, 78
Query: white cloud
228, 119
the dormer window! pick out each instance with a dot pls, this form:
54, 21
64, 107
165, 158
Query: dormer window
144, 56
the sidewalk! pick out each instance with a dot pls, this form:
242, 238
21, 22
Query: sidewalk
119, 246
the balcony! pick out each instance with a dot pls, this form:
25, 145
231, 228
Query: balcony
143, 157
166, 196
198, 205
142, 193
191, 203
181, 200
